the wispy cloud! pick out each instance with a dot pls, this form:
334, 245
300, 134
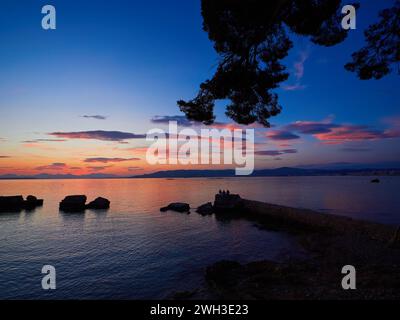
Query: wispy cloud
109, 160
97, 117
350, 149
181, 120
281, 135
98, 168
298, 72
184, 122
334, 133
274, 153
299, 65
134, 168
43, 140
53, 166
99, 135
294, 87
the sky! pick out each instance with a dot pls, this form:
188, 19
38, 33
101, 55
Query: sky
80, 99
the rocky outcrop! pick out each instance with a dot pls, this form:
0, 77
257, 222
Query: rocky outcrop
99, 204
225, 202
329, 242
304, 220
205, 209
17, 203
76, 203
32, 202
11, 203
177, 206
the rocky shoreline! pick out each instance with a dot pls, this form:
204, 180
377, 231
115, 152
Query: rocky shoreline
331, 242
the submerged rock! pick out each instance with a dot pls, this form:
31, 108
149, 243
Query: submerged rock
98, 204
205, 209
73, 203
177, 206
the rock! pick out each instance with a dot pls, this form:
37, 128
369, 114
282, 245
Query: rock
17, 203
177, 206
32, 202
227, 203
73, 203
395, 241
222, 273
11, 203
98, 204
184, 295
205, 209
375, 181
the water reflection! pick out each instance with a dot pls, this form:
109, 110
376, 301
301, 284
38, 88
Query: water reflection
135, 251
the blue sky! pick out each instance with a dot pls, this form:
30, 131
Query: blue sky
132, 60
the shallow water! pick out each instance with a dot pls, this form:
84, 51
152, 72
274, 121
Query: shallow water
133, 251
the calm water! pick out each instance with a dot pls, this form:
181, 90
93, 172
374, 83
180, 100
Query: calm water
133, 251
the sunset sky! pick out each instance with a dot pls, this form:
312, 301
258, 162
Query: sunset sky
80, 99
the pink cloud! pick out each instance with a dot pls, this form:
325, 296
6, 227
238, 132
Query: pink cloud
53, 166
298, 73
294, 87
299, 65
333, 133
107, 160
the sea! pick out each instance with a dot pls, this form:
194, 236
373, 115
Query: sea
134, 251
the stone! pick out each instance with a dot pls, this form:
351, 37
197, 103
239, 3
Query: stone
11, 203
75, 203
177, 206
32, 202
98, 204
205, 209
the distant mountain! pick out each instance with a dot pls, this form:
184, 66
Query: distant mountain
279, 172
352, 165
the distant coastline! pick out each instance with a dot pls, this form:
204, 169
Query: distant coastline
278, 172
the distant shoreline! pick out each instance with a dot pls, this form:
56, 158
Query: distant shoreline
182, 174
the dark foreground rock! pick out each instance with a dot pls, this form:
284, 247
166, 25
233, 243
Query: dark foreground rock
99, 204
17, 203
177, 206
330, 242
318, 277
76, 203
205, 209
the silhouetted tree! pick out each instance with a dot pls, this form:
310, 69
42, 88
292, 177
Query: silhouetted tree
251, 38
383, 47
